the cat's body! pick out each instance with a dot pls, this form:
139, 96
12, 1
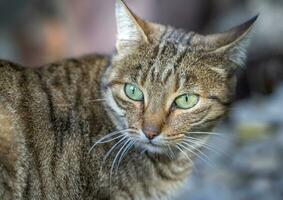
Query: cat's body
50, 118
42, 105
163, 90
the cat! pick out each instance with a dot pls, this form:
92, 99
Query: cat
122, 127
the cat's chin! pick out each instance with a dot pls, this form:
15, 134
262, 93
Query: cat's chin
152, 148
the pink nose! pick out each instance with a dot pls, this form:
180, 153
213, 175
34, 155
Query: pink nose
150, 132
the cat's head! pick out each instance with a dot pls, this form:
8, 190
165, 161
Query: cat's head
166, 84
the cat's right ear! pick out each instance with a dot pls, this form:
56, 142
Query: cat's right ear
131, 30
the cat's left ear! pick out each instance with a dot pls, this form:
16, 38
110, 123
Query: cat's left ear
233, 43
131, 30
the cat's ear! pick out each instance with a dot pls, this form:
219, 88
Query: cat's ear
131, 30
233, 43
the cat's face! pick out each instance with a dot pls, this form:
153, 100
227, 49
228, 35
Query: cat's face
166, 85
164, 98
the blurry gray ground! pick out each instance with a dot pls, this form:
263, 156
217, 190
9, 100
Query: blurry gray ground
251, 167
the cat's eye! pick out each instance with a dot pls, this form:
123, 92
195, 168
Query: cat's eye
186, 101
133, 92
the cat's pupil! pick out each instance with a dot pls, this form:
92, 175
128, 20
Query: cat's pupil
187, 98
133, 90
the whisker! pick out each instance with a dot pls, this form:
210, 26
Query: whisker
206, 133
110, 150
204, 144
190, 160
109, 140
194, 153
116, 157
123, 154
133, 130
100, 141
171, 153
196, 149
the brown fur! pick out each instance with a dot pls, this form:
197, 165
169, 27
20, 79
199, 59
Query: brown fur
51, 116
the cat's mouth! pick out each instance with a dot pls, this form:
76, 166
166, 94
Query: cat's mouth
152, 143
155, 145
151, 147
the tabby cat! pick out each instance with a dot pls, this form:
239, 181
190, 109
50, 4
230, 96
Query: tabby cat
124, 127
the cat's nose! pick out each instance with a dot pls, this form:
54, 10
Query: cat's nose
150, 132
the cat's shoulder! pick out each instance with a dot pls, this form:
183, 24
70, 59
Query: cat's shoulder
89, 64
7, 66
88, 61
94, 61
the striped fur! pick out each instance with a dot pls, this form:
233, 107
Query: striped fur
49, 121
50, 117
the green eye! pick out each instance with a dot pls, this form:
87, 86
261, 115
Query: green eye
186, 101
133, 92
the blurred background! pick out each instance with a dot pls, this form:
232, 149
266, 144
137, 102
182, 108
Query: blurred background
35, 32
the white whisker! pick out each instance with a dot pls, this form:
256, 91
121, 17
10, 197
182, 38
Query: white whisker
196, 149
109, 140
101, 140
186, 156
205, 133
116, 157
171, 153
194, 153
123, 154
203, 144
110, 150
